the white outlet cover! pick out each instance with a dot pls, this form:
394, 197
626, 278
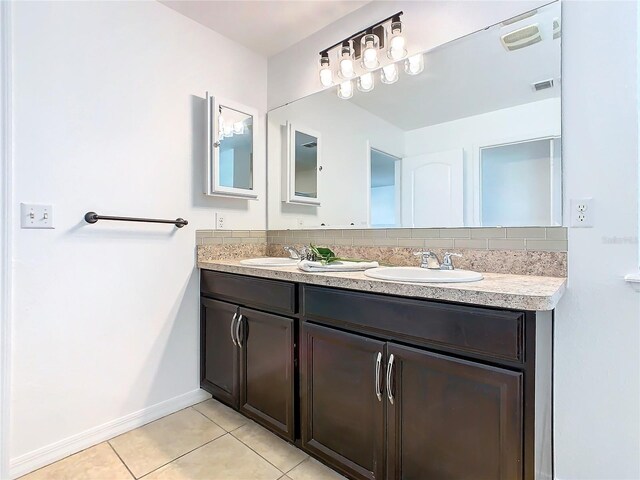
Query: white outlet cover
582, 213
36, 216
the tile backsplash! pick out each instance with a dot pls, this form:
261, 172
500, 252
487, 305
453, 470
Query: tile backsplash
519, 250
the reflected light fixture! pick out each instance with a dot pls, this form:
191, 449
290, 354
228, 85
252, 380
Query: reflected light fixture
397, 43
365, 82
346, 61
414, 64
326, 75
389, 73
345, 90
369, 46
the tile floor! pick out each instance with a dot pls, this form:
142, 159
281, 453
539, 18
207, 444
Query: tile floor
208, 441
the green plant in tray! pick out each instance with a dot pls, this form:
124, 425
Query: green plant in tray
325, 255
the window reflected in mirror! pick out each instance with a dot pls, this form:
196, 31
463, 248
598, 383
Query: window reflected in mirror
306, 165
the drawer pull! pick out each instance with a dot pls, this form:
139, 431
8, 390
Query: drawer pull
233, 338
389, 374
238, 339
378, 365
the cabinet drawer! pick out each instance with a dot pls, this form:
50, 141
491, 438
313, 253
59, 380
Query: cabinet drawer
271, 295
475, 331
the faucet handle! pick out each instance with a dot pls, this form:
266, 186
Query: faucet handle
293, 253
447, 262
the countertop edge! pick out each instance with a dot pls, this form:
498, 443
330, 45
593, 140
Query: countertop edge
515, 301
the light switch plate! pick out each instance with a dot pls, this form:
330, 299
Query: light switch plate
36, 216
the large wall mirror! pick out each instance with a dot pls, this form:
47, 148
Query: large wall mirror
474, 139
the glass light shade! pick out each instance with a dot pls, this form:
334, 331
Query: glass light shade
228, 130
370, 44
389, 73
238, 128
326, 75
397, 42
346, 62
365, 82
345, 90
414, 64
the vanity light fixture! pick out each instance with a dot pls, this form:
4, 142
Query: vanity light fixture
397, 43
414, 64
345, 90
389, 73
358, 55
365, 82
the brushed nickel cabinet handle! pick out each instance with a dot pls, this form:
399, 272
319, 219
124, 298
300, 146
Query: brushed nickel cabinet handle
238, 339
233, 338
389, 374
378, 365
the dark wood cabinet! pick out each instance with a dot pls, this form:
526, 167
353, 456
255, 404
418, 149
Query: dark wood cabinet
220, 364
388, 388
267, 370
451, 419
248, 356
342, 407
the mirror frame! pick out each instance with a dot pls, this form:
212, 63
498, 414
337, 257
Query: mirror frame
289, 177
212, 174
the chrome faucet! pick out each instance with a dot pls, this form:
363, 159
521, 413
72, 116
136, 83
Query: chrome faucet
431, 261
293, 253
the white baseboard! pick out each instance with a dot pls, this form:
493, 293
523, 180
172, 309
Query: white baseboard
44, 456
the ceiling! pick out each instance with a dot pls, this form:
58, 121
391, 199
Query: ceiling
469, 76
267, 27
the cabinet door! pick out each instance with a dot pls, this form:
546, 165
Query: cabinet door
451, 419
220, 356
267, 370
342, 417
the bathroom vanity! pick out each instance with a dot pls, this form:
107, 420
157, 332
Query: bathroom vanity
380, 384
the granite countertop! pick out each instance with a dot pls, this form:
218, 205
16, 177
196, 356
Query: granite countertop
519, 292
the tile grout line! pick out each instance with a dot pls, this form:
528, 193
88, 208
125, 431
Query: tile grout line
249, 447
180, 456
120, 458
215, 423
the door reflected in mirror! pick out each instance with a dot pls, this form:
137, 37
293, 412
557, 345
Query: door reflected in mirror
471, 140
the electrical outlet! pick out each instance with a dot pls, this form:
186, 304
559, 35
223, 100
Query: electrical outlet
36, 216
220, 221
582, 212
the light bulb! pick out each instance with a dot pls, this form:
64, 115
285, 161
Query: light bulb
414, 64
345, 90
238, 128
346, 61
397, 42
365, 82
370, 45
389, 73
326, 75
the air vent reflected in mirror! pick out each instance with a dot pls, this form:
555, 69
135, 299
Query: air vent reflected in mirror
521, 38
542, 85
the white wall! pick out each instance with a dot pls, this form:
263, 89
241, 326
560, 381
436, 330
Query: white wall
531, 120
597, 418
109, 116
597, 328
345, 132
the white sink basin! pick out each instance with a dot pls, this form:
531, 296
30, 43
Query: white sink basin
269, 262
417, 274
